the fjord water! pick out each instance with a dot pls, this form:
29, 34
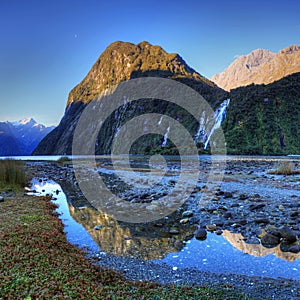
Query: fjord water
216, 254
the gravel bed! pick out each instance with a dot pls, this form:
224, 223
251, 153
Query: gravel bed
254, 287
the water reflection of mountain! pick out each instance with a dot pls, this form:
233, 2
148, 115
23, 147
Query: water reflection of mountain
150, 241
236, 240
147, 241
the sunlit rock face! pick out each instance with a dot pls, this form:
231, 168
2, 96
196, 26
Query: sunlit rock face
259, 67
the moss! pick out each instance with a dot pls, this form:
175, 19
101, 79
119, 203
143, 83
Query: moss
37, 262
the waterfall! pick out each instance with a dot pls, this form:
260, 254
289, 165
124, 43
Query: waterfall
160, 120
219, 117
201, 130
166, 137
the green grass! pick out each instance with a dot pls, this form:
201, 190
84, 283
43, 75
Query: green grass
37, 262
12, 172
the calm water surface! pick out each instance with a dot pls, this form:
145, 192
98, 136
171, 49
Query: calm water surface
215, 254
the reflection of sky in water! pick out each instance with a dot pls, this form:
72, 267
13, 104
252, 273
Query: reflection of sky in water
215, 254
76, 233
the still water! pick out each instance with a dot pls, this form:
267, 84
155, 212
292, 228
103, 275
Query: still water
220, 254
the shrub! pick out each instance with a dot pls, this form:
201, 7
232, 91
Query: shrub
12, 172
64, 159
285, 168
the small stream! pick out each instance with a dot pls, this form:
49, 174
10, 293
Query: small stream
216, 254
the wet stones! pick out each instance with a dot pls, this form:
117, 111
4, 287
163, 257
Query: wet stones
257, 206
288, 234
294, 248
227, 195
261, 221
201, 234
211, 227
174, 231
243, 197
187, 214
227, 215
270, 240
184, 221
286, 247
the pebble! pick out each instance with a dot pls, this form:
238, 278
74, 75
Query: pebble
201, 234
184, 221
288, 234
187, 213
270, 240
174, 231
211, 227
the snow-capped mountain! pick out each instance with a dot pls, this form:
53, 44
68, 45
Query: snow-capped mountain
22, 137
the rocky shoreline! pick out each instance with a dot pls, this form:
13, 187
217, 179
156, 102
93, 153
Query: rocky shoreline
263, 208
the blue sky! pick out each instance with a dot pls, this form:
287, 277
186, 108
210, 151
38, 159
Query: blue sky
47, 47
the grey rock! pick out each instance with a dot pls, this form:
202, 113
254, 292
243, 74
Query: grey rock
211, 227
228, 195
173, 231
243, 196
294, 249
187, 214
184, 221
270, 241
261, 221
201, 234
227, 215
257, 206
1, 199
287, 247
288, 234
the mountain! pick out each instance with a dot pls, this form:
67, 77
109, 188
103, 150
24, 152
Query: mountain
119, 62
22, 137
259, 67
264, 119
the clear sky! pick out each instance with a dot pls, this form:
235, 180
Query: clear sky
48, 46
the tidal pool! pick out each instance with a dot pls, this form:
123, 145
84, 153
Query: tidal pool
227, 253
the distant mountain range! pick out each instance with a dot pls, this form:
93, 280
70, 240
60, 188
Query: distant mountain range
22, 137
261, 119
259, 67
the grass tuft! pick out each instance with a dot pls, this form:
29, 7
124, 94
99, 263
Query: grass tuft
64, 160
285, 168
12, 172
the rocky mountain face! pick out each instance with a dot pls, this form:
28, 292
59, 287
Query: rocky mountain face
259, 119
122, 61
259, 67
264, 119
21, 138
